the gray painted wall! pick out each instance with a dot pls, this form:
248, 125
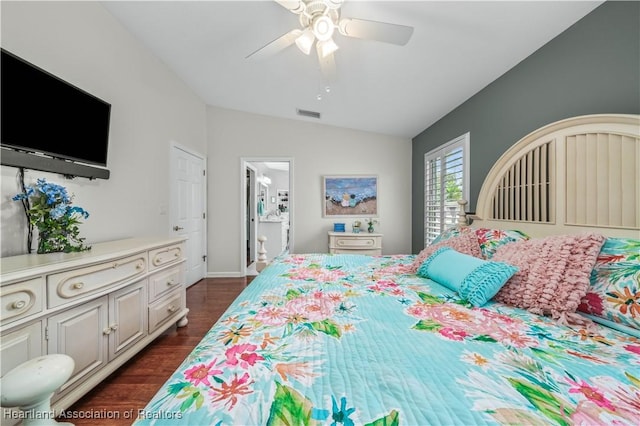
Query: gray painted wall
593, 67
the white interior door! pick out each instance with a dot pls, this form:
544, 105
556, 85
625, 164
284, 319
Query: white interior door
188, 209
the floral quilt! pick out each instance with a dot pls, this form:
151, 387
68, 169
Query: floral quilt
325, 339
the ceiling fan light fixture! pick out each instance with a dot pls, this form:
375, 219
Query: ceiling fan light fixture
326, 48
305, 41
319, 20
323, 28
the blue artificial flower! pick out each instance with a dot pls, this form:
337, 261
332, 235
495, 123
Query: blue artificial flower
24, 195
51, 212
58, 211
79, 210
54, 193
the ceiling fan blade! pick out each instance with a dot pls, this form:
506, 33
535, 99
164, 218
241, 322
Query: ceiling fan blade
373, 30
327, 66
276, 45
293, 6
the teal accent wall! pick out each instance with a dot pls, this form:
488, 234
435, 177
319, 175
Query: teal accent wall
591, 68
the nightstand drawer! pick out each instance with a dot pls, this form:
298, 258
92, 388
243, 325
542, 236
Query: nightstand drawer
372, 252
360, 243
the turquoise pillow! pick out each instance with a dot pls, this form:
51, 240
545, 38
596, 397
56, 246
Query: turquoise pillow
475, 280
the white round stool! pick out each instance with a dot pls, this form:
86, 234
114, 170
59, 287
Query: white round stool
31, 385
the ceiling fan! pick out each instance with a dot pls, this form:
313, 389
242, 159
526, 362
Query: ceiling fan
319, 19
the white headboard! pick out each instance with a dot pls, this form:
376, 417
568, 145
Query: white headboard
574, 175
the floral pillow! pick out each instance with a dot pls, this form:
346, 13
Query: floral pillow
614, 293
488, 239
451, 232
491, 239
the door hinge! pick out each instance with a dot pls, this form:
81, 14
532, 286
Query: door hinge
204, 215
46, 333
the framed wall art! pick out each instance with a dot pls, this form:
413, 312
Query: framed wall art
346, 196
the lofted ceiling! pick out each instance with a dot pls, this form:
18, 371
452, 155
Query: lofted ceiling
457, 48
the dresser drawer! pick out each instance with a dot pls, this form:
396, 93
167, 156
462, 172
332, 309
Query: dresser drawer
21, 299
165, 255
165, 281
66, 286
165, 308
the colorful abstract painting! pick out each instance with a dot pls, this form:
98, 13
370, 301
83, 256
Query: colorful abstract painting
350, 196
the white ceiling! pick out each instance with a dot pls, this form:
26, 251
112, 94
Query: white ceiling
457, 48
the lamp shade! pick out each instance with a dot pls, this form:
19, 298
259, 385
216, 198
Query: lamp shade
326, 48
305, 41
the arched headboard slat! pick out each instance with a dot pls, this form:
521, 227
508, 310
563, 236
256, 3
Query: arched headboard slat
575, 174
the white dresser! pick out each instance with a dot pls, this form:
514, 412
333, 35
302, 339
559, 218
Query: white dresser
100, 306
351, 243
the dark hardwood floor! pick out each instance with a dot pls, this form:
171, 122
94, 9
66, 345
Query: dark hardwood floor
132, 386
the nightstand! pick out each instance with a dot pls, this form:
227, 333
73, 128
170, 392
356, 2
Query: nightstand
350, 243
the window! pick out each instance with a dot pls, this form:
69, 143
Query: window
446, 180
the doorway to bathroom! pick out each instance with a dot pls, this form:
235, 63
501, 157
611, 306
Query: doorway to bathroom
268, 208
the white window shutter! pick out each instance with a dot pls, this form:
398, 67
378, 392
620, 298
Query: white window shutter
445, 182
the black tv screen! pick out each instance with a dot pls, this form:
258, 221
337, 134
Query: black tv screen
42, 113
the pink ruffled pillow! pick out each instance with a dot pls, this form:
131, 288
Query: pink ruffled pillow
466, 242
553, 273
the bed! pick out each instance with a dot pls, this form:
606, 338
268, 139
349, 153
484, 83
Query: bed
409, 339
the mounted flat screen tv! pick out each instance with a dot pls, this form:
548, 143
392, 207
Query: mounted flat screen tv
43, 114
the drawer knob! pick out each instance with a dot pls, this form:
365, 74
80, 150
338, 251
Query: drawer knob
77, 286
172, 308
139, 266
114, 327
18, 304
170, 283
106, 331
